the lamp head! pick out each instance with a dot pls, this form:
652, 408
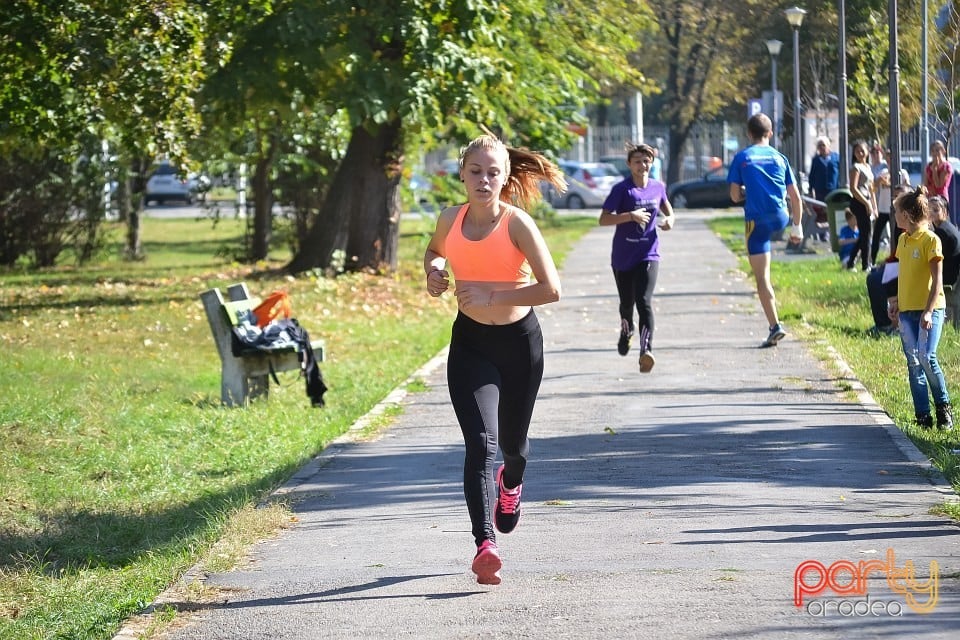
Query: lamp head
773, 46
795, 16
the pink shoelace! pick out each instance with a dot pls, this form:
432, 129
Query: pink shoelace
509, 499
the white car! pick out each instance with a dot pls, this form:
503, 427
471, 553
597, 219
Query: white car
588, 184
168, 183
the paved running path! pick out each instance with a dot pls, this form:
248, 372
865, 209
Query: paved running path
676, 504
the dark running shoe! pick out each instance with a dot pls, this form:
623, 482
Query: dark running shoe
776, 335
487, 563
626, 333
506, 515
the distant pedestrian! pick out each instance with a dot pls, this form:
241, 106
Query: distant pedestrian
938, 172
761, 178
495, 360
656, 167
634, 206
863, 205
919, 307
823, 178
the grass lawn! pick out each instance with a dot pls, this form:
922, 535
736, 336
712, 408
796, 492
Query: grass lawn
120, 467
121, 470
828, 307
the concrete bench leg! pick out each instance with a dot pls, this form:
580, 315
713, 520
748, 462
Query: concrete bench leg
237, 386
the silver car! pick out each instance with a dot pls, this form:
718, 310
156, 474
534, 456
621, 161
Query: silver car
167, 183
588, 184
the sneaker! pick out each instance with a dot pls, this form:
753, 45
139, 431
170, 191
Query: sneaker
776, 335
486, 564
623, 345
924, 421
647, 361
506, 515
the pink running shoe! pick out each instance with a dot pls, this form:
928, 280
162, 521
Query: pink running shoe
506, 515
486, 564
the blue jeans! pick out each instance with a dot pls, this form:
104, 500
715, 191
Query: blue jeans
923, 369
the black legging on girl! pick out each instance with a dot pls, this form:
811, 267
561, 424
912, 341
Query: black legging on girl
493, 374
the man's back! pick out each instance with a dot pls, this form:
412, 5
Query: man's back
765, 174
950, 240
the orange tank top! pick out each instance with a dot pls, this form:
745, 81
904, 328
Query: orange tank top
493, 259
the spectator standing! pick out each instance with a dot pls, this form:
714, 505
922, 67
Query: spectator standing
823, 178
656, 167
761, 178
938, 172
863, 205
919, 308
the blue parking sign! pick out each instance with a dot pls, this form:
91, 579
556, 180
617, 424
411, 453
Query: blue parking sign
754, 106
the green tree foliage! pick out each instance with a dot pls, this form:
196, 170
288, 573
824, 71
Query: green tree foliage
398, 69
78, 72
698, 58
868, 68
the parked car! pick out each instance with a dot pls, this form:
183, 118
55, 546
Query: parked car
588, 184
711, 190
690, 169
167, 182
619, 162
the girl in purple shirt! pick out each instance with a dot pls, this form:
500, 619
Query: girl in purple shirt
633, 206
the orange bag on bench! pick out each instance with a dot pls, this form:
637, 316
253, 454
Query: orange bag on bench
275, 305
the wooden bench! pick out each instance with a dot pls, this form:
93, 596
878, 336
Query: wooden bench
246, 376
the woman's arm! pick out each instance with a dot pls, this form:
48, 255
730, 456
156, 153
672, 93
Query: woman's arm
667, 209
936, 284
434, 258
527, 237
608, 217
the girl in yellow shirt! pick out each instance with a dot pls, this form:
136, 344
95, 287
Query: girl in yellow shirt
919, 307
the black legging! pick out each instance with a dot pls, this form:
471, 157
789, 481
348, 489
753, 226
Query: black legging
862, 247
493, 374
636, 287
883, 220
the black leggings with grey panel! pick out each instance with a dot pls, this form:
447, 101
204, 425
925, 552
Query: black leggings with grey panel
493, 374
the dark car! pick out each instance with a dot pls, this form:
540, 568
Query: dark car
711, 190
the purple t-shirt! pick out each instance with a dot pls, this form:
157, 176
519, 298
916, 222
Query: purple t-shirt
632, 242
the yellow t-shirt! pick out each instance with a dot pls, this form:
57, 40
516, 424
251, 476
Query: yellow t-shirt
915, 252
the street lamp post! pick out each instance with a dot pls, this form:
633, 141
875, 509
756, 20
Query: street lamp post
773, 47
844, 151
795, 18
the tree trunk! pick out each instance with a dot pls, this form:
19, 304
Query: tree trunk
361, 213
678, 139
262, 211
134, 246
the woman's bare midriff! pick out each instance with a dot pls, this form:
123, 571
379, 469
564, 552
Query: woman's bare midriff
497, 314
